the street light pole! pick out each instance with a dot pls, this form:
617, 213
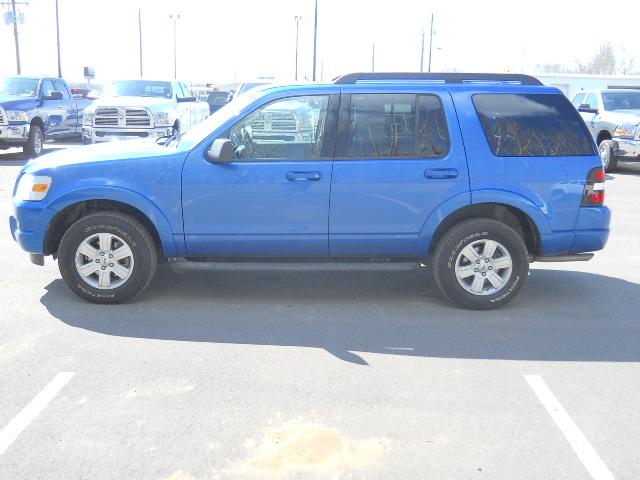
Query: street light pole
430, 43
422, 54
58, 40
298, 18
139, 37
315, 40
175, 19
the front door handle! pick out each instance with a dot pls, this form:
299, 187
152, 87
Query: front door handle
303, 176
440, 173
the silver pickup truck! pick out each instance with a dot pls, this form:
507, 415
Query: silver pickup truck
613, 117
142, 109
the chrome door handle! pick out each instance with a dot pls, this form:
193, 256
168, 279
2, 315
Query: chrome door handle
303, 176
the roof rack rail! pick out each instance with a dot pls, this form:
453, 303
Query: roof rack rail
352, 78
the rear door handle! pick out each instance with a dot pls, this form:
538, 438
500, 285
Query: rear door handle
440, 173
303, 176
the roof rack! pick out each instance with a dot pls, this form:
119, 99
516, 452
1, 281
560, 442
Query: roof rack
516, 78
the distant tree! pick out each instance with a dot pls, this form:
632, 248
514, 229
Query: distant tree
604, 60
627, 65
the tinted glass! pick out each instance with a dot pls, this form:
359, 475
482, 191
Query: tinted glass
592, 100
396, 126
621, 100
286, 129
577, 100
59, 86
141, 88
532, 125
26, 87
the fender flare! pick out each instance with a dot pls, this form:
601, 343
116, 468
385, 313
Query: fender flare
118, 194
452, 205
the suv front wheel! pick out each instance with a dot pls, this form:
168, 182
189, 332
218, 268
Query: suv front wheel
480, 264
107, 257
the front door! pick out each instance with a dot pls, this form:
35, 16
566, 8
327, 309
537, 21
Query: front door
399, 157
273, 199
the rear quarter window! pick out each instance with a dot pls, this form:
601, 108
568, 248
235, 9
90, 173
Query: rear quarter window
532, 125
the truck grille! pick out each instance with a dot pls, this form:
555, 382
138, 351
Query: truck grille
275, 122
122, 117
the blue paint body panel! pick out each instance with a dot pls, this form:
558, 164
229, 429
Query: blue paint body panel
380, 207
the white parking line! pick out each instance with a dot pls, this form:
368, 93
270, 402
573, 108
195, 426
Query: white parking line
32, 410
585, 451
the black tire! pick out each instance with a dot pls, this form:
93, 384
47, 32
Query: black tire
123, 227
476, 232
35, 142
609, 160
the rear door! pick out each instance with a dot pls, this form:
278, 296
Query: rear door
399, 157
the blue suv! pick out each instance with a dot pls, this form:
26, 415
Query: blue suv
474, 175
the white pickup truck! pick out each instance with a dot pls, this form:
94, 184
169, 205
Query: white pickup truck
142, 109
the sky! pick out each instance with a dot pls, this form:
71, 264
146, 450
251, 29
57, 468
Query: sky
222, 41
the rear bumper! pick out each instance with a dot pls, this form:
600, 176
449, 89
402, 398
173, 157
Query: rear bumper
626, 150
590, 234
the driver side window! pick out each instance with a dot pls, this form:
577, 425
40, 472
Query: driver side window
285, 129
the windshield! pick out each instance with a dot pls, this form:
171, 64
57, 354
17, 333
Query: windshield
621, 100
225, 113
141, 88
25, 87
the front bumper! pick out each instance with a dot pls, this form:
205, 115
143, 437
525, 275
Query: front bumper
626, 150
108, 134
14, 133
28, 224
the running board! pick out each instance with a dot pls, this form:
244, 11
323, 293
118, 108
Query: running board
573, 257
301, 266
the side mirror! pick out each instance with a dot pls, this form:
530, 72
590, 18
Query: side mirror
220, 151
53, 96
586, 108
185, 99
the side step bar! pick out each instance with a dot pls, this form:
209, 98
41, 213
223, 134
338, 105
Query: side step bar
572, 257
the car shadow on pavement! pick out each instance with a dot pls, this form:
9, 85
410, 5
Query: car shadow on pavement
559, 316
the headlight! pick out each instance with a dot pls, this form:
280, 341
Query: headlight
17, 116
162, 119
625, 130
32, 187
87, 118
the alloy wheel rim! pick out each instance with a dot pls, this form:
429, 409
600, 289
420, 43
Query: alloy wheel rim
483, 267
37, 143
104, 261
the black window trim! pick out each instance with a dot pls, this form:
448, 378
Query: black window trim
331, 123
488, 143
344, 123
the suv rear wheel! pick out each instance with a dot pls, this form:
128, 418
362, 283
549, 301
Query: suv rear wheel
480, 264
107, 257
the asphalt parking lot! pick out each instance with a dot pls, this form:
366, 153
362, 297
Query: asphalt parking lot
216, 374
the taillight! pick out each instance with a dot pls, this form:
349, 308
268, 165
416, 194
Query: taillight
593, 195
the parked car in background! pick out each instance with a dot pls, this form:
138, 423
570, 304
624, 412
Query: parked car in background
458, 172
613, 116
244, 87
142, 109
216, 100
35, 109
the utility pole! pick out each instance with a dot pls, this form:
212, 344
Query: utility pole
422, 54
13, 4
175, 19
297, 18
58, 40
315, 40
140, 37
430, 43
373, 57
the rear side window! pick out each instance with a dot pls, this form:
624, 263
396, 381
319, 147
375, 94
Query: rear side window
532, 125
396, 126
